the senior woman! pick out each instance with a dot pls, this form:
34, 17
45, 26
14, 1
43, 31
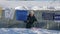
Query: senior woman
30, 19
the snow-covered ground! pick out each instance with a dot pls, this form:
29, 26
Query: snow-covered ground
27, 31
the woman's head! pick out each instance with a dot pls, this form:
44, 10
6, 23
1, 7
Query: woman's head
31, 13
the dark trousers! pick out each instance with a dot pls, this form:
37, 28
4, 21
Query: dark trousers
29, 25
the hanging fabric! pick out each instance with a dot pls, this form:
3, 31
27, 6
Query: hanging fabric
0, 12
9, 13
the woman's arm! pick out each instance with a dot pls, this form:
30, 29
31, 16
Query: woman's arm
35, 18
27, 20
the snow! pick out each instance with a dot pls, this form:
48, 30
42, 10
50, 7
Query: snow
27, 31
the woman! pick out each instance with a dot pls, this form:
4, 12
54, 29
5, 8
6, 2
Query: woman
30, 20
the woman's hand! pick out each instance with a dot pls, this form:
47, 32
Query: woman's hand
27, 21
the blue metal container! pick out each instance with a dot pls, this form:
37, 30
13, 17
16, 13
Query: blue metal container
21, 15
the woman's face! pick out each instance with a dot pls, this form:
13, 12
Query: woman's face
31, 14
